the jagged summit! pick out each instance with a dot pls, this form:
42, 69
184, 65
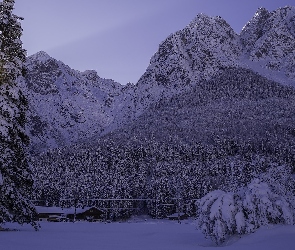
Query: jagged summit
260, 15
203, 19
269, 38
194, 53
261, 12
91, 75
263, 21
65, 105
41, 56
254, 29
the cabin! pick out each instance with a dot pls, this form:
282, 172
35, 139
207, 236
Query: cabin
88, 214
175, 216
56, 214
44, 213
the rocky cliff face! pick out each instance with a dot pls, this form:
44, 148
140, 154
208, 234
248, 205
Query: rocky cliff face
269, 38
207, 45
65, 105
194, 53
185, 58
68, 106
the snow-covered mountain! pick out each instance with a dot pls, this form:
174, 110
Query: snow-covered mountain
269, 39
207, 45
186, 57
67, 105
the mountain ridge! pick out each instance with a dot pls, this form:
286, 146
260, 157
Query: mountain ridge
65, 105
206, 46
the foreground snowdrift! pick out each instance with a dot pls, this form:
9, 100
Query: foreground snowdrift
137, 235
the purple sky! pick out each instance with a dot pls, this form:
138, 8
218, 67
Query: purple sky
118, 37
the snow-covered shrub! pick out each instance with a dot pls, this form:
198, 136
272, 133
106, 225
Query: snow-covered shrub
217, 215
223, 214
262, 206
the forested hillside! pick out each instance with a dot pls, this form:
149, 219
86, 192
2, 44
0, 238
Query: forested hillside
220, 135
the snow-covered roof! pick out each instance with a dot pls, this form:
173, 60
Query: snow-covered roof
59, 210
175, 215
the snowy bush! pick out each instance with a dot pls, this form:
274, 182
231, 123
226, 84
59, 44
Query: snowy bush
223, 214
262, 206
217, 212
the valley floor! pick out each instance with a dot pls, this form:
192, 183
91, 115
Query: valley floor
136, 235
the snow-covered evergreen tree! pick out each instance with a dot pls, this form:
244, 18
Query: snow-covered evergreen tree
262, 206
15, 176
217, 211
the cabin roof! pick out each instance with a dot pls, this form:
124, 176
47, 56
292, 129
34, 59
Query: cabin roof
175, 215
59, 210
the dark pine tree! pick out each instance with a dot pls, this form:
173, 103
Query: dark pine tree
15, 175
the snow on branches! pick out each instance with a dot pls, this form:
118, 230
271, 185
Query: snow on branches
223, 214
15, 175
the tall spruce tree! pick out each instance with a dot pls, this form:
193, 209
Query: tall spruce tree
15, 176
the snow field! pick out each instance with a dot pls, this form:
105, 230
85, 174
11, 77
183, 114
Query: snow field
140, 235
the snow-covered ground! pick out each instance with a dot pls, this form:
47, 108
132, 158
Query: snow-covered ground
137, 235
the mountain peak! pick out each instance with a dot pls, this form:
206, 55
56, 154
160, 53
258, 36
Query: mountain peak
261, 11
268, 38
260, 16
41, 56
286, 9
91, 75
285, 16
203, 19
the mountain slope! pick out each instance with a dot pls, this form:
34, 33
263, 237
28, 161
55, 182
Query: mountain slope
235, 103
197, 52
206, 46
269, 39
65, 105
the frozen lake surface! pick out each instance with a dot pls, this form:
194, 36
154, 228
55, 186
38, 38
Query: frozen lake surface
137, 235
